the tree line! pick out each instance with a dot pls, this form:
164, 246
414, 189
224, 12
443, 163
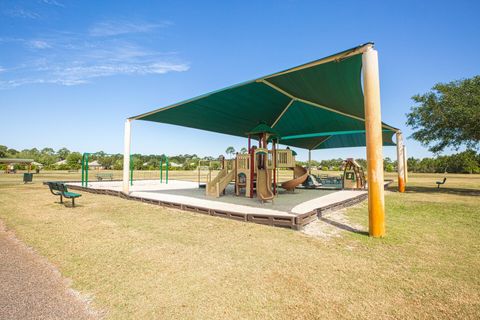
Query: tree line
463, 162
49, 159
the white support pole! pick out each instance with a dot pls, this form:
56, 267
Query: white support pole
400, 162
405, 163
373, 132
126, 157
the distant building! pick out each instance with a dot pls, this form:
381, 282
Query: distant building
95, 165
175, 165
59, 163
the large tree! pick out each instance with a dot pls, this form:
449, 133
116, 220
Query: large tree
230, 151
3, 151
448, 115
63, 153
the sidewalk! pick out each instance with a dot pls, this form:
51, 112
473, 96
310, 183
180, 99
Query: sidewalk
31, 288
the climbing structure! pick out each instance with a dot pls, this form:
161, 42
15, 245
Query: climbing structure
256, 172
353, 175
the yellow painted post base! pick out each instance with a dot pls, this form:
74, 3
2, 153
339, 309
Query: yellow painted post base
376, 210
401, 184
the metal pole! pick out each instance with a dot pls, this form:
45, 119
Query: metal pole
166, 170
373, 132
83, 169
126, 156
274, 146
86, 171
161, 170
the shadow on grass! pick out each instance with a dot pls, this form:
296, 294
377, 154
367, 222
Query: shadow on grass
343, 226
69, 205
456, 191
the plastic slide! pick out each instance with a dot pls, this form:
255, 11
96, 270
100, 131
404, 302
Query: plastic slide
311, 182
300, 174
264, 187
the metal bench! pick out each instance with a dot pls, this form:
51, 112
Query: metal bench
103, 176
441, 182
60, 189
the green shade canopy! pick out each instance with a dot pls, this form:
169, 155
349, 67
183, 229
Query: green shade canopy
317, 105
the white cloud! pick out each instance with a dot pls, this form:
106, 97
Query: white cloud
73, 58
39, 44
84, 72
20, 82
114, 28
21, 13
81, 74
53, 3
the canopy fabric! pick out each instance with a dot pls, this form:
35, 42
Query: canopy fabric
320, 97
337, 140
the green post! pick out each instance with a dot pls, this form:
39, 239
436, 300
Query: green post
86, 171
83, 169
166, 169
161, 170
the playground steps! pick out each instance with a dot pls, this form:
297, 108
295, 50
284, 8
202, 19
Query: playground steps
216, 186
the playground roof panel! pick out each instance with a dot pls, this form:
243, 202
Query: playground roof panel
320, 102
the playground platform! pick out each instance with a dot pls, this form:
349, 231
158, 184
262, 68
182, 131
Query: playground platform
289, 209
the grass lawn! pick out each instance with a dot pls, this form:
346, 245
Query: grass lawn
140, 261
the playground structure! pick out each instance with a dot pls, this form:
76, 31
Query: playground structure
256, 172
333, 102
353, 176
87, 156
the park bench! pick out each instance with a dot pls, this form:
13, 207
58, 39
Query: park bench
103, 176
60, 189
441, 182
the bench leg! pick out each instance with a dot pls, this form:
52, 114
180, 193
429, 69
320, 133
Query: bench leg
73, 202
61, 199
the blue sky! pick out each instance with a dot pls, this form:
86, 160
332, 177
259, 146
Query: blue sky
72, 71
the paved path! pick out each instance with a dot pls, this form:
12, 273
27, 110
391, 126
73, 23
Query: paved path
30, 288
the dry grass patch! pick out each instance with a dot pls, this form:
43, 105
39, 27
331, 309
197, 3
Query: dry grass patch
143, 261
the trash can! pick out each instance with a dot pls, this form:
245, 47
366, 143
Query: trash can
27, 177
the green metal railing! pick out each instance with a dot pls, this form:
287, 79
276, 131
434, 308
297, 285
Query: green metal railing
85, 167
166, 169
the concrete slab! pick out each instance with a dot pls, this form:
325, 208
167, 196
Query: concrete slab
298, 208
327, 200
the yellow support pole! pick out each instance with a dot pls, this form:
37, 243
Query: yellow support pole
400, 162
373, 132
